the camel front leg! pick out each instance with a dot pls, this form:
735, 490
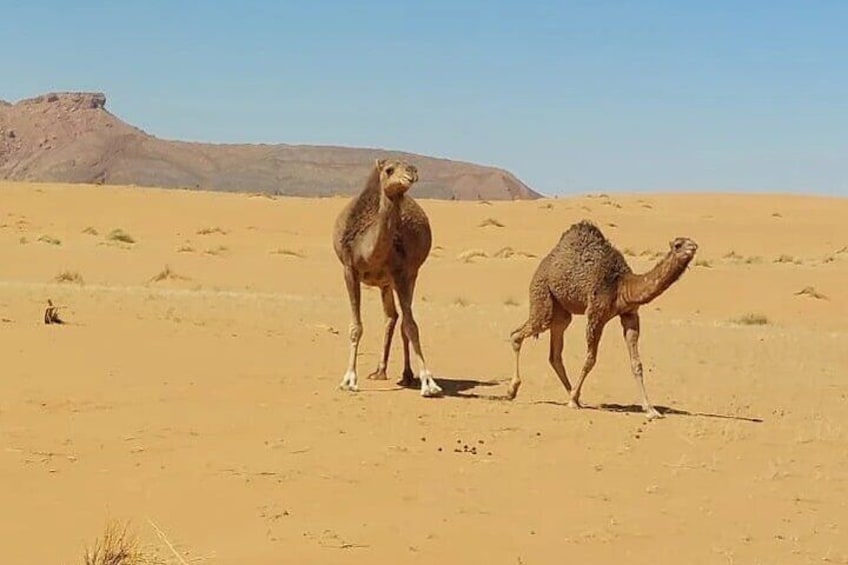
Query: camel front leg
405, 289
353, 291
391, 320
630, 325
559, 323
594, 329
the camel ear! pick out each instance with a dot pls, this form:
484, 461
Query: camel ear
379, 164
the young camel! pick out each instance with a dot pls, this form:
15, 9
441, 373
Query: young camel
585, 274
382, 237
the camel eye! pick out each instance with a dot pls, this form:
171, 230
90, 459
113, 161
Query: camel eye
390, 171
678, 244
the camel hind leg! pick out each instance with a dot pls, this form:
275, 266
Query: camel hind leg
559, 323
391, 320
539, 320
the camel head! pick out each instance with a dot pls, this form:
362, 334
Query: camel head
682, 249
396, 177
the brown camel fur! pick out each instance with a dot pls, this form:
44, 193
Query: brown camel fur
382, 237
585, 274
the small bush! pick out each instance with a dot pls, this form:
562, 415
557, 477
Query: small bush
69, 276
491, 222
811, 292
209, 231
50, 239
90, 231
751, 319
118, 234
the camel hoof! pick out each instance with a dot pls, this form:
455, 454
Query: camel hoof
575, 404
408, 381
349, 382
512, 391
430, 389
378, 375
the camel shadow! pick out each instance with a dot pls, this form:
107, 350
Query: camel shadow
463, 388
664, 410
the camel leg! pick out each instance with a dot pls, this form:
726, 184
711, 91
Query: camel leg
594, 329
405, 288
541, 313
408, 378
559, 323
391, 319
630, 325
353, 291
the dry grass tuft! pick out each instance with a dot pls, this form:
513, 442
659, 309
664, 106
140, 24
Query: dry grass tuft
221, 249
185, 248
811, 292
210, 231
733, 256
118, 546
628, 252
507, 252
69, 276
784, 258
118, 234
167, 274
90, 231
753, 260
460, 301
510, 301
751, 319
469, 255
491, 222
288, 253
703, 263
50, 239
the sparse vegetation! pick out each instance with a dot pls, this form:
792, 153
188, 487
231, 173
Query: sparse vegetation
733, 256
118, 234
811, 292
491, 222
23, 240
185, 248
842, 250
90, 231
288, 253
785, 259
751, 319
167, 274
69, 276
118, 546
547, 206
703, 263
484, 202
50, 239
469, 255
776, 215
460, 301
507, 252
510, 301
628, 252
217, 250
210, 231
753, 259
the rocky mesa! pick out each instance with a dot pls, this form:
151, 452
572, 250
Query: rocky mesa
72, 137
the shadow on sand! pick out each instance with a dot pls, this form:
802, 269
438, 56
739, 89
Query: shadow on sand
664, 410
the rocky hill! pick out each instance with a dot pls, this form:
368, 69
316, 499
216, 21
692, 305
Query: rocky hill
71, 137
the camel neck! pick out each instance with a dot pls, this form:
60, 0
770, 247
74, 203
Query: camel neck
637, 289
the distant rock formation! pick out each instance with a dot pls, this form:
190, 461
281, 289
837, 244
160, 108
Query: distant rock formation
71, 137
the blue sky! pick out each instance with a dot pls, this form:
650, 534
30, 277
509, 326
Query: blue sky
570, 96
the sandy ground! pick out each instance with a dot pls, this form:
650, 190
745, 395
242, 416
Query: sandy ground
207, 402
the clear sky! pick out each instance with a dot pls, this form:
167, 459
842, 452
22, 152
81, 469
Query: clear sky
744, 95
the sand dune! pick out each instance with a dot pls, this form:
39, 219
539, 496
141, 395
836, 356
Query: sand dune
195, 386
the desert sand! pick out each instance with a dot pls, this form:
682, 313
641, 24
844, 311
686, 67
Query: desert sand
203, 397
